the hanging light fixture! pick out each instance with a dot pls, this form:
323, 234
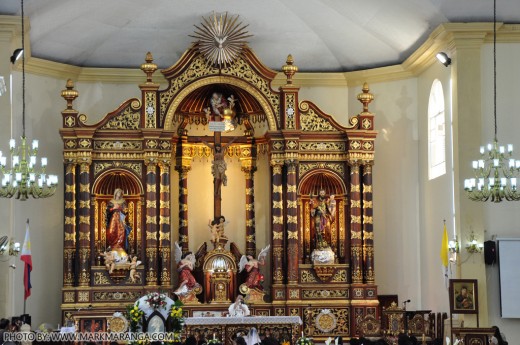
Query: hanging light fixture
23, 178
497, 171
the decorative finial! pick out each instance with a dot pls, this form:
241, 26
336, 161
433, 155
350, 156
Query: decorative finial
69, 94
289, 69
366, 97
149, 67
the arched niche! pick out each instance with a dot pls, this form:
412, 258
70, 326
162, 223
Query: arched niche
133, 192
192, 109
222, 81
309, 187
220, 270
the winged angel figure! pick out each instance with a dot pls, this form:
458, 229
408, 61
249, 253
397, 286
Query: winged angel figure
251, 265
185, 266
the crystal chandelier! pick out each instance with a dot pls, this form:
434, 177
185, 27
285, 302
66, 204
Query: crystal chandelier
496, 172
23, 178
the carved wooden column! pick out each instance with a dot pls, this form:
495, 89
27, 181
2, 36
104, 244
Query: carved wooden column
84, 220
183, 207
69, 240
356, 249
278, 229
183, 158
292, 224
368, 227
151, 222
164, 223
249, 172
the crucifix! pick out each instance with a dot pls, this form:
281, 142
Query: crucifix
218, 166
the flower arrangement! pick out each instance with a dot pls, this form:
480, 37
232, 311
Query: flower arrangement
156, 300
303, 340
214, 341
177, 316
135, 315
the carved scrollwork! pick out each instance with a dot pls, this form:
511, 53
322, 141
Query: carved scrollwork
337, 167
319, 294
307, 277
135, 167
340, 276
312, 122
101, 279
242, 70
129, 118
323, 146
116, 296
317, 327
198, 68
117, 145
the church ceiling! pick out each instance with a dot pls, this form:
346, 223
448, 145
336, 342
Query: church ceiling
322, 35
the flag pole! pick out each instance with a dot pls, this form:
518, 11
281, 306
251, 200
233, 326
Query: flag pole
25, 299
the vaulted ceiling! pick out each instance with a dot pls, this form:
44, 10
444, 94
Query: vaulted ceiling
322, 35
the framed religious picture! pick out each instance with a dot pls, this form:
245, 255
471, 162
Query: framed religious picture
463, 296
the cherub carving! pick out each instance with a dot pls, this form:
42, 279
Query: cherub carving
134, 275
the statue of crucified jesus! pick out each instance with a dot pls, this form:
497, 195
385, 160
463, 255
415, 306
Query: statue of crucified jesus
218, 166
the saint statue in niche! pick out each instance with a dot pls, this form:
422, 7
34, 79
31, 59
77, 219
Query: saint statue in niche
323, 212
117, 228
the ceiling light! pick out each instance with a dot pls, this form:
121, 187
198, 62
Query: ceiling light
497, 171
444, 58
23, 178
16, 55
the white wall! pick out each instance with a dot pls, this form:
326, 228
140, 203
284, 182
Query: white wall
396, 181
436, 195
43, 106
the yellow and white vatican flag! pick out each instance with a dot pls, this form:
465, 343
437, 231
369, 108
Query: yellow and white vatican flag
445, 255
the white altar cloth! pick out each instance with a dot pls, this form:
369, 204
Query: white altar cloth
247, 320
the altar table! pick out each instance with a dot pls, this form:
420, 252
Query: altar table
224, 328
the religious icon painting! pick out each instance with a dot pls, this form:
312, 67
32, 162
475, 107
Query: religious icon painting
463, 296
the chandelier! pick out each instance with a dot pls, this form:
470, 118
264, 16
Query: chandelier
497, 171
23, 178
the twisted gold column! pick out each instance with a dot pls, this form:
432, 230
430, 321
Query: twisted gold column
356, 250
368, 227
292, 224
164, 224
84, 223
151, 223
277, 213
69, 240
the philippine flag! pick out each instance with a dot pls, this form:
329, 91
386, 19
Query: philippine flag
27, 259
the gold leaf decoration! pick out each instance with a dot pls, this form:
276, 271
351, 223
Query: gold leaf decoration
221, 38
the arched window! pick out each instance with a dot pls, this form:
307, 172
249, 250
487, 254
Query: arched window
436, 132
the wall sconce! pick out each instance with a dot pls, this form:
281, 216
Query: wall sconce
16, 55
13, 248
453, 246
473, 246
444, 58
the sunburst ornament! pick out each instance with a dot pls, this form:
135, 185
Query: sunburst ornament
221, 38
